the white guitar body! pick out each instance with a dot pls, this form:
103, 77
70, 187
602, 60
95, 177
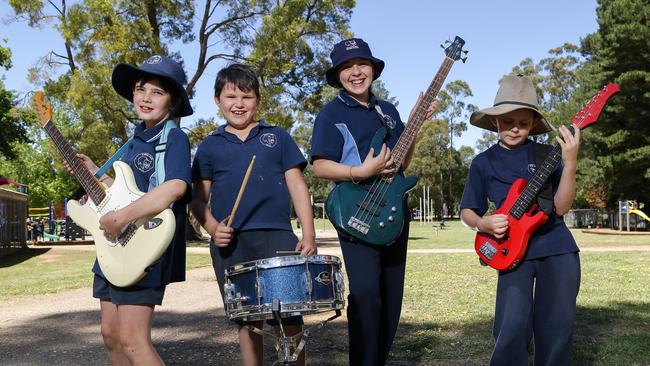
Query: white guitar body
127, 259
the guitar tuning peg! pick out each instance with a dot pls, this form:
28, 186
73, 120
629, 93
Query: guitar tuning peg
465, 51
442, 45
463, 59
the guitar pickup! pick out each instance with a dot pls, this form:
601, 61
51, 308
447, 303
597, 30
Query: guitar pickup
364, 206
488, 250
359, 225
375, 197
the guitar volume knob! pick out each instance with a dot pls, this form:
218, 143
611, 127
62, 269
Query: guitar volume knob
394, 209
382, 225
390, 219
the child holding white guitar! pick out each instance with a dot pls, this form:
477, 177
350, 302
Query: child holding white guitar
157, 93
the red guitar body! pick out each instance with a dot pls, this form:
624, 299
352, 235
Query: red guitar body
505, 254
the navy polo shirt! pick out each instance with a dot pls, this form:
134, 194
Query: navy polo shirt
223, 159
490, 176
140, 157
344, 129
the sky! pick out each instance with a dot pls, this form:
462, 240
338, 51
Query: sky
406, 34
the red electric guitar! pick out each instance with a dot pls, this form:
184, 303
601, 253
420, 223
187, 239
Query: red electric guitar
506, 253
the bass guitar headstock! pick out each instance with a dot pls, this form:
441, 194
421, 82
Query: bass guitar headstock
43, 108
454, 50
589, 114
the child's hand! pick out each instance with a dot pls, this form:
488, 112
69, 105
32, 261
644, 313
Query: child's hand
375, 165
112, 224
433, 107
495, 225
222, 234
86, 161
570, 145
306, 247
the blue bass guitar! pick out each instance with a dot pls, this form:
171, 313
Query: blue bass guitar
373, 211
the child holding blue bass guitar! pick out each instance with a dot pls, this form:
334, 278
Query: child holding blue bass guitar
342, 135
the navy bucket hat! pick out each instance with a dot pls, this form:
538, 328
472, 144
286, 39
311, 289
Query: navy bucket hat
348, 49
125, 76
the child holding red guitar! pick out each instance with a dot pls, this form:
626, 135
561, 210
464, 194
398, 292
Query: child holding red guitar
538, 297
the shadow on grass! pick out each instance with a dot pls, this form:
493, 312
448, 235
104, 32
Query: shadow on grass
610, 335
22, 256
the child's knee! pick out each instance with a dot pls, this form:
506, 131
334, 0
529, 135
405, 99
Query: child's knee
111, 336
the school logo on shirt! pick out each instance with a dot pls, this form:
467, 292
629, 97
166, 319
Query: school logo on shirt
269, 139
143, 162
531, 168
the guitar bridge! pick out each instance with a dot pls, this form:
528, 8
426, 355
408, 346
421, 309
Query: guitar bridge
358, 225
488, 250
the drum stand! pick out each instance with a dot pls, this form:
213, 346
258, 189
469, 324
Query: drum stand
289, 348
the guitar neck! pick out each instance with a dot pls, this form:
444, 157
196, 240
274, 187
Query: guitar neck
86, 179
534, 186
419, 115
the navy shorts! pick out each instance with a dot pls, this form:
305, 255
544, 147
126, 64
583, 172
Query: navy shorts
252, 245
133, 295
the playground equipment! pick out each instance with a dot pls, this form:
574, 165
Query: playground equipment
629, 207
59, 223
640, 213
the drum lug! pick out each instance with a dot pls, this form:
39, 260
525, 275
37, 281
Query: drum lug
308, 284
260, 288
340, 285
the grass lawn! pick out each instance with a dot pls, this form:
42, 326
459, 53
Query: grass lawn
43, 270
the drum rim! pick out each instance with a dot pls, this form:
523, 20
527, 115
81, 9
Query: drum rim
262, 311
286, 260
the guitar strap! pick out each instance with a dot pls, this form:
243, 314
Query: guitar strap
109, 163
382, 118
159, 160
545, 196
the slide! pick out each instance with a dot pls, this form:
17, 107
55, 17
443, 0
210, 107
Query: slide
51, 236
640, 213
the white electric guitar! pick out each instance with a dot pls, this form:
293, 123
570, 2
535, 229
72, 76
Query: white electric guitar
125, 260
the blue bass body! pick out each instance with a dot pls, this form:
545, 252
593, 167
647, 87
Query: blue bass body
371, 211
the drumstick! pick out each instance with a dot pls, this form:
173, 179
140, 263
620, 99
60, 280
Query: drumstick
241, 192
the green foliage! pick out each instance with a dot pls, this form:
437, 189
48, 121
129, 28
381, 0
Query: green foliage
286, 42
618, 148
13, 130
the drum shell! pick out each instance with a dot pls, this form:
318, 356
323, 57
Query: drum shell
303, 284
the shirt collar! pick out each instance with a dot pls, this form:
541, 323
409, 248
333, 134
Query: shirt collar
221, 130
346, 99
150, 134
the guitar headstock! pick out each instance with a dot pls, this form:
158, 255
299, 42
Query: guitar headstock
589, 114
43, 108
455, 49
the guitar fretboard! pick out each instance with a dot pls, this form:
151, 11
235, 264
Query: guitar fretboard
86, 179
419, 115
535, 184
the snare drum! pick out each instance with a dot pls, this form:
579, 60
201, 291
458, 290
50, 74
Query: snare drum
303, 284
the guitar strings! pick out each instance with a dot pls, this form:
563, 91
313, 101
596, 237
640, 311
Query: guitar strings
373, 199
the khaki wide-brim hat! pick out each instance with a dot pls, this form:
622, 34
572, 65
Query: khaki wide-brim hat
515, 92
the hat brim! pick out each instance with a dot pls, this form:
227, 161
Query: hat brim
332, 77
481, 118
124, 78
